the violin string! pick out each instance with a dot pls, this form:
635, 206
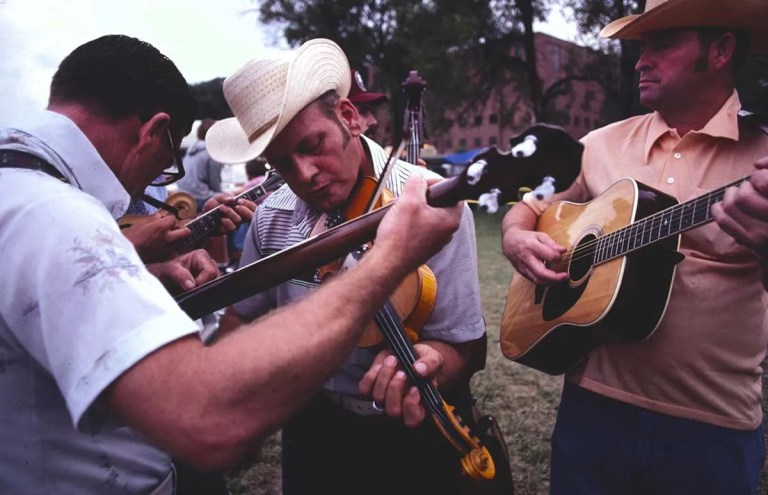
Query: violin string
392, 329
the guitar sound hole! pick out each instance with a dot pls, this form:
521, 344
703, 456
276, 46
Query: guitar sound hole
583, 258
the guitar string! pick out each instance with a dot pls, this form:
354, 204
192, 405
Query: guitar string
677, 213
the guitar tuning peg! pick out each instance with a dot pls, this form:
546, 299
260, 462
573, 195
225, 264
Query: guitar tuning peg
545, 189
475, 172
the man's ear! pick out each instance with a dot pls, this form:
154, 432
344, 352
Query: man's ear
722, 50
156, 127
349, 116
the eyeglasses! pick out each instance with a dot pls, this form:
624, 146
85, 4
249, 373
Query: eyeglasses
176, 171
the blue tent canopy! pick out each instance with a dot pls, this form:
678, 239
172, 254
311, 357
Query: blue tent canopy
461, 158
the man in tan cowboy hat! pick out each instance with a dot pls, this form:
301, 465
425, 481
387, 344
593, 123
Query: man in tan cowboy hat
366, 431
678, 412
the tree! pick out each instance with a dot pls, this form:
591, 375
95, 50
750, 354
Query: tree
466, 50
591, 16
395, 36
210, 100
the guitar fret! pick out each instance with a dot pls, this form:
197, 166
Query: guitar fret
612, 246
599, 246
659, 227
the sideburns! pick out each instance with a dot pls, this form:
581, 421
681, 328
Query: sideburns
346, 136
701, 63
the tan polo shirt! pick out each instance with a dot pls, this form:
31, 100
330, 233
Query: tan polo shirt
703, 361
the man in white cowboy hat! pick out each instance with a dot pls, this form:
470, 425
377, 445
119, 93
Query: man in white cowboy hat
679, 412
103, 378
366, 432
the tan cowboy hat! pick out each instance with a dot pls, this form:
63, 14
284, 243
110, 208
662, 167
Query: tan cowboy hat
750, 15
265, 94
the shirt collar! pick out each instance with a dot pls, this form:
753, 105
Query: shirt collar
724, 124
57, 139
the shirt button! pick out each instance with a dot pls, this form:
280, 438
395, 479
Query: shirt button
677, 155
670, 180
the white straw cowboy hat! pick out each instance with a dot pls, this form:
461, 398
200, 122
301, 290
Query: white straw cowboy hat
265, 94
749, 15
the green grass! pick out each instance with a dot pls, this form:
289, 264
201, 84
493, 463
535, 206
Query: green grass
523, 401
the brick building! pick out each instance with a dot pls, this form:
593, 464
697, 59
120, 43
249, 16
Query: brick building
507, 112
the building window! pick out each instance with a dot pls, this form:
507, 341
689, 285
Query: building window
448, 143
462, 144
478, 120
493, 118
478, 142
576, 121
556, 59
492, 141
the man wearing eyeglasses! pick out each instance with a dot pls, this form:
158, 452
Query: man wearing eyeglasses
103, 378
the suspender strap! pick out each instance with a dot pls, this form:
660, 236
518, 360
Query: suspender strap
22, 159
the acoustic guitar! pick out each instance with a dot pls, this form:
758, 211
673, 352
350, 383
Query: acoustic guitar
622, 249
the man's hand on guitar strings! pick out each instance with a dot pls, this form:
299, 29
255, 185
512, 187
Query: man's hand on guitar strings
530, 252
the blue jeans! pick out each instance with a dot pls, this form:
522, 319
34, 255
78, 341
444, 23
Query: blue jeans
602, 446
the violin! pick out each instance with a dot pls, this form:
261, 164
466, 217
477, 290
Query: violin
413, 301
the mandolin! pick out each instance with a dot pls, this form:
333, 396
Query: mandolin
209, 222
622, 250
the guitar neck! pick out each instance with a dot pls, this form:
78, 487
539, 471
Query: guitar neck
666, 223
209, 222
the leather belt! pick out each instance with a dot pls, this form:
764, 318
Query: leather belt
357, 405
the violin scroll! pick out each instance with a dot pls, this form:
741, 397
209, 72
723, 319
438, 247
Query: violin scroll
476, 461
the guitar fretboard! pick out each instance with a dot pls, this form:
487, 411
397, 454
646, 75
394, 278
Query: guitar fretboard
666, 223
204, 225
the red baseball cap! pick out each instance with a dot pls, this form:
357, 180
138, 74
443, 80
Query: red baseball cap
358, 95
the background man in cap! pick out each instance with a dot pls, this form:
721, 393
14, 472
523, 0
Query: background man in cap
678, 413
296, 114
366, 103
103, 376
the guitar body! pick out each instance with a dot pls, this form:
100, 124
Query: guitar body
621, 300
